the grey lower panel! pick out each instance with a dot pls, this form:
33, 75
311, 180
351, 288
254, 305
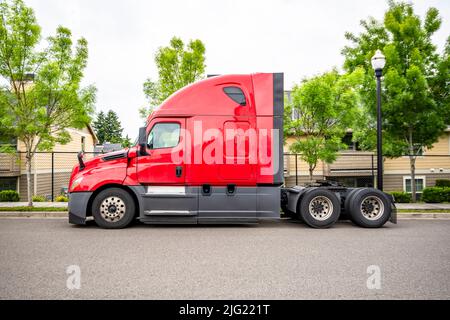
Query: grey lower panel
219, 204
168, 220
268, 201
77, 206
227, 220
171, 202
244, 205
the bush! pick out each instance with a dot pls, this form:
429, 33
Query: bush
61, 198
442, 183
436, 194
38, 199
9, 196
401, 197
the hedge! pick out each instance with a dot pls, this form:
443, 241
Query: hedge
38, 198
61, 198
401, 197
9, 196
436, 194
442, 183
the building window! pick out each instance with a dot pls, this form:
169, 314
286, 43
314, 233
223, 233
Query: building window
235, 94
419, 151
9, 142
295, 114
8, 184
354, 182
420, 184
348, 141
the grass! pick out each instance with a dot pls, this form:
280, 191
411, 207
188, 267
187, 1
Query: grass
423, 211
36, 209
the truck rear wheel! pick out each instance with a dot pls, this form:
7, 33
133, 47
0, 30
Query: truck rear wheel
319, 208
369, 208
348, 201
113, 208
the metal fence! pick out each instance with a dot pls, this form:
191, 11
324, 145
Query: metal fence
51, 171
359, 169
350, 169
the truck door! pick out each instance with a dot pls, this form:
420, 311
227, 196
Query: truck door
162, 171
164, 164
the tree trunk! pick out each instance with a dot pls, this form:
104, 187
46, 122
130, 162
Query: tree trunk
311, 172
412, 163
28, 160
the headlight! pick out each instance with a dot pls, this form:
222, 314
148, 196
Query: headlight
75, 183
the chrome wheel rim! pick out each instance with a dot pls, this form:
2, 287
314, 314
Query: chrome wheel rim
320, 208
372, 208
112, 209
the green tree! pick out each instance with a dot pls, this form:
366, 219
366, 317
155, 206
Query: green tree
108, 127
177, 66
43, 96
416, 81
326, 106
99, 126
126, 142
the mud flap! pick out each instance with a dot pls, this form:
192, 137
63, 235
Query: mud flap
393, 217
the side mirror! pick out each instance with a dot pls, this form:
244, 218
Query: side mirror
142, 140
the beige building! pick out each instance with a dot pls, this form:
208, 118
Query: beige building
358, 168
13, 170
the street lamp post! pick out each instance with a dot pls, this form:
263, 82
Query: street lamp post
378, 62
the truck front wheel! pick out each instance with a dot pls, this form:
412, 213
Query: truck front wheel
319, 208
113, 208
369, 208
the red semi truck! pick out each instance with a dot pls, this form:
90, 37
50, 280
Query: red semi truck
213, 153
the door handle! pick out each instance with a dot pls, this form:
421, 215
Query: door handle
178, 171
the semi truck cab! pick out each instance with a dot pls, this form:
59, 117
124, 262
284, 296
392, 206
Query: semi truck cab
212, 153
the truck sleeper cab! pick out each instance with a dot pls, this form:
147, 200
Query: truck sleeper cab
211, 153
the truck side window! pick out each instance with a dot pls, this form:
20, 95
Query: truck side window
236, 94
164, 135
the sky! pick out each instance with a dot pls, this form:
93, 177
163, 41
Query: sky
298, 37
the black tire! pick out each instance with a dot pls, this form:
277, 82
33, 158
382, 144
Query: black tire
369, 208
120, 210
325, 208
347, 202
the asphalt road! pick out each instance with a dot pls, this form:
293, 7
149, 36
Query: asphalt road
273, 260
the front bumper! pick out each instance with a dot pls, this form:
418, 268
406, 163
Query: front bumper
78, 202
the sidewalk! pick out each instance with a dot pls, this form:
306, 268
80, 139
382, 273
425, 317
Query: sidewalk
423, 206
